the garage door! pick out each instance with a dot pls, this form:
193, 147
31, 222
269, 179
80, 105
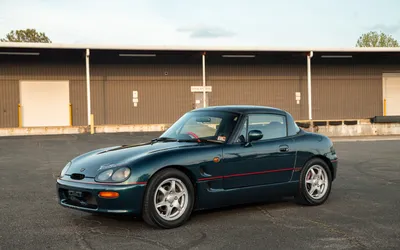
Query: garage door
44, 103
391, 93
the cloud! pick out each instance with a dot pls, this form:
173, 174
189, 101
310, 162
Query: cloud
389, 28
206, 32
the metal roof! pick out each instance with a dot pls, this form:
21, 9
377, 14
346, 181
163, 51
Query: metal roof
194, 48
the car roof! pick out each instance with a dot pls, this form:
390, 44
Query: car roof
243, 109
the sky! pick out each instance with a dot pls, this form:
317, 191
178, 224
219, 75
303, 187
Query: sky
283, 23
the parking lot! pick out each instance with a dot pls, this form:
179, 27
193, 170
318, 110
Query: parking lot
363, 211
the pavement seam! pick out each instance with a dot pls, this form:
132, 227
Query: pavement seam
352, 240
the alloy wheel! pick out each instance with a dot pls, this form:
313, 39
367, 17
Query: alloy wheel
316, 181
171, 199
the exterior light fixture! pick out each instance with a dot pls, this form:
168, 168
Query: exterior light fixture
336, 56
239, 56
138, 55
20, 53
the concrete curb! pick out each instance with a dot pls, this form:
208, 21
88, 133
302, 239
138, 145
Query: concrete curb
82, 129
42, 131
391, 134
363, 139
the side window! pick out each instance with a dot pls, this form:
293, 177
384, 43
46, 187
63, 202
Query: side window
272, 126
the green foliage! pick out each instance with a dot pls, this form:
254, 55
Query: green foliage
375, 39
27, 36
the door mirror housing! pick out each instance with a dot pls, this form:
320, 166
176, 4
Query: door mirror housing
255, 135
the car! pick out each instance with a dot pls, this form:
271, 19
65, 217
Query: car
209, 158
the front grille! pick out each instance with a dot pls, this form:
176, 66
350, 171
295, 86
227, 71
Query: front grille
77, 176
78, 198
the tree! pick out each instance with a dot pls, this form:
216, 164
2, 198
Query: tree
375, 39
27, 36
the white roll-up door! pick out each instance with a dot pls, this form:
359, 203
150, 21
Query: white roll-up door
44, 103
391, 93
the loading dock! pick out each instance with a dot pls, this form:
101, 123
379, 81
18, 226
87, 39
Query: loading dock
321, 84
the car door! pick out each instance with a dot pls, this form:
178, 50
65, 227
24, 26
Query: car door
269, 160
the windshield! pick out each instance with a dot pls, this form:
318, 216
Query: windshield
210, 125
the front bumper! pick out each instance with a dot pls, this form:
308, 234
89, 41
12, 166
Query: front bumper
85, 197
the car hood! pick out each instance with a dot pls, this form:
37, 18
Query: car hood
89, 164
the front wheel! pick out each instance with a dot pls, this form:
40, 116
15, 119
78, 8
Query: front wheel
315, 183
168, 200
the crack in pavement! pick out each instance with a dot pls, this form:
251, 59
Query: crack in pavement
278, 222
352, 240
193, 243
82, 242
95, 229
128, 233
275, 220
361, 170
267, 213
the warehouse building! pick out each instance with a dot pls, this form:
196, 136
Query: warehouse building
44, 85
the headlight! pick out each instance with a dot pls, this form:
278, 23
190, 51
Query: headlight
65, 169
121, 174
112, 175
105, 175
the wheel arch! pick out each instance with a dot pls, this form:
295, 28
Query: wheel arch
147, 214
327, 161
186, 171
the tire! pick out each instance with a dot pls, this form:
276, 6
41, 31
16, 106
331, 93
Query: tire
152, 215
303, 196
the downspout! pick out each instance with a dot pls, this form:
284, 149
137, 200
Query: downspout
204, 79
309, 56
88, 86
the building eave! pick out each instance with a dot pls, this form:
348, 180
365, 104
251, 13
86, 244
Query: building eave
195, 48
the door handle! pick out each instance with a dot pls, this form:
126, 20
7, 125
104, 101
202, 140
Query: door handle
284, 148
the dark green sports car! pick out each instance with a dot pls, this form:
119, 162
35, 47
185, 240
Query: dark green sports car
211, 157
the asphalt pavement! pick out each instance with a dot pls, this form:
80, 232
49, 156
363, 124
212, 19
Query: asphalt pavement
363, 211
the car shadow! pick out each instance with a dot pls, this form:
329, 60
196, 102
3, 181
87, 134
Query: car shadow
136, 222
277, 203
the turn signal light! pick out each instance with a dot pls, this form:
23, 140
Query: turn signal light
108, 194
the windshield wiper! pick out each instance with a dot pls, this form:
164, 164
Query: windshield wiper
165, 139
201, 140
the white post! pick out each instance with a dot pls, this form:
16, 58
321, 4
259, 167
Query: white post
204, 80
309, 56
88, 85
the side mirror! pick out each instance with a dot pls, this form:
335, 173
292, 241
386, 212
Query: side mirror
255, 135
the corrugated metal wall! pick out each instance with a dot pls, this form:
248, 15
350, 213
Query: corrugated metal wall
339, 92
10, 75
9, 99
268, 85
163, 93
347, 92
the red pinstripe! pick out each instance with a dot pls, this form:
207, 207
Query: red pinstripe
245, 174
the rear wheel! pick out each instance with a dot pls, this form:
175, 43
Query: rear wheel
169, 199
315, 183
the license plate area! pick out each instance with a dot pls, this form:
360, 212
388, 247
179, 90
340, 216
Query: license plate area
78, 198
73, 193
